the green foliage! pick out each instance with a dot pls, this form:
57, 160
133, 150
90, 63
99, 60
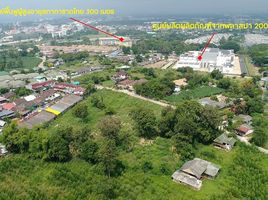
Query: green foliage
195, 80
89, 151
259, 138
259, 54
139, 58
110, 111
142, 172
90, 88
126, 50
16, 140
70, 57
14, 60
184, 147
224, 83
147, 166
110, 127
162, 45
254, 105
22, 91
108, 157
78, 137
196, 93
230, 45
192, 121
81, 110
145, 122
148, 72
97, 101
253, 177
155, 88
58, 146
216, 74
167, 122
3, 90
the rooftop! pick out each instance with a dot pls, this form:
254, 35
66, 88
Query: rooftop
224, 139
180, 82
64, 104
192, 172
38, 119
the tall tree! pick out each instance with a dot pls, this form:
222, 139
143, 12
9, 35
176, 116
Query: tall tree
145, 122
108, 156
81, 110
110, 127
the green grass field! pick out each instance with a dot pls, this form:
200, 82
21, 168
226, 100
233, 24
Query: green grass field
28, 63
121, 103
196, 93
252, 70
25, 178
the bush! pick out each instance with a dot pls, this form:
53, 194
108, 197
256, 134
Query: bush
109, 111
81, 110
259, 138
89, 151
147, 166
97, 102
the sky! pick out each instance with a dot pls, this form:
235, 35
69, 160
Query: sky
150, 7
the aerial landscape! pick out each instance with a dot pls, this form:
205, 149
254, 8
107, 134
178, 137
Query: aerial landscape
135, 100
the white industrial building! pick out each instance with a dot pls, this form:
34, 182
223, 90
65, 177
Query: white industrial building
110, 41
213, 58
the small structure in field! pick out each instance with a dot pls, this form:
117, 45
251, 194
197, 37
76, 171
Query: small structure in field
193, 171
179, 84
224, 142
244, 130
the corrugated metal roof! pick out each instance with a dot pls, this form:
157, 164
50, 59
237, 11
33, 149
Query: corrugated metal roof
64, 103
38, 119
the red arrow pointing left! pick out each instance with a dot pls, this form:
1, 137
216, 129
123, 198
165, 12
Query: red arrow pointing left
96, 29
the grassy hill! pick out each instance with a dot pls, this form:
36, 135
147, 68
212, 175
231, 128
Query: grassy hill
148, 166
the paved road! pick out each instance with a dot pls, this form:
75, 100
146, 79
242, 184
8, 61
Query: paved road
41, 64
133, 94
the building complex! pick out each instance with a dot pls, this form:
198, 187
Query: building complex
213, 58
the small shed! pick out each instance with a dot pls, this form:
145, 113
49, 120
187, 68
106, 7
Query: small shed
224, 142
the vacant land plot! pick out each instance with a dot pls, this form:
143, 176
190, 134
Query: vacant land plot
147, 172
27, 63
121, 103
196, 93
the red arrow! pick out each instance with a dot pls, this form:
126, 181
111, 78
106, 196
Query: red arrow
209, 41
119, 38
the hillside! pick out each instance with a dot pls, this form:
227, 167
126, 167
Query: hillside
146, 165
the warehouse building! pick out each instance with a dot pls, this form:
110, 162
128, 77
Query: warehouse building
212, 59
65, 103
38, 119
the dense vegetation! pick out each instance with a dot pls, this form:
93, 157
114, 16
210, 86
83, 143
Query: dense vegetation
164, 45
14, 59
70, 57
196, 93
104, 157
260, 136
156, 88
259, 54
